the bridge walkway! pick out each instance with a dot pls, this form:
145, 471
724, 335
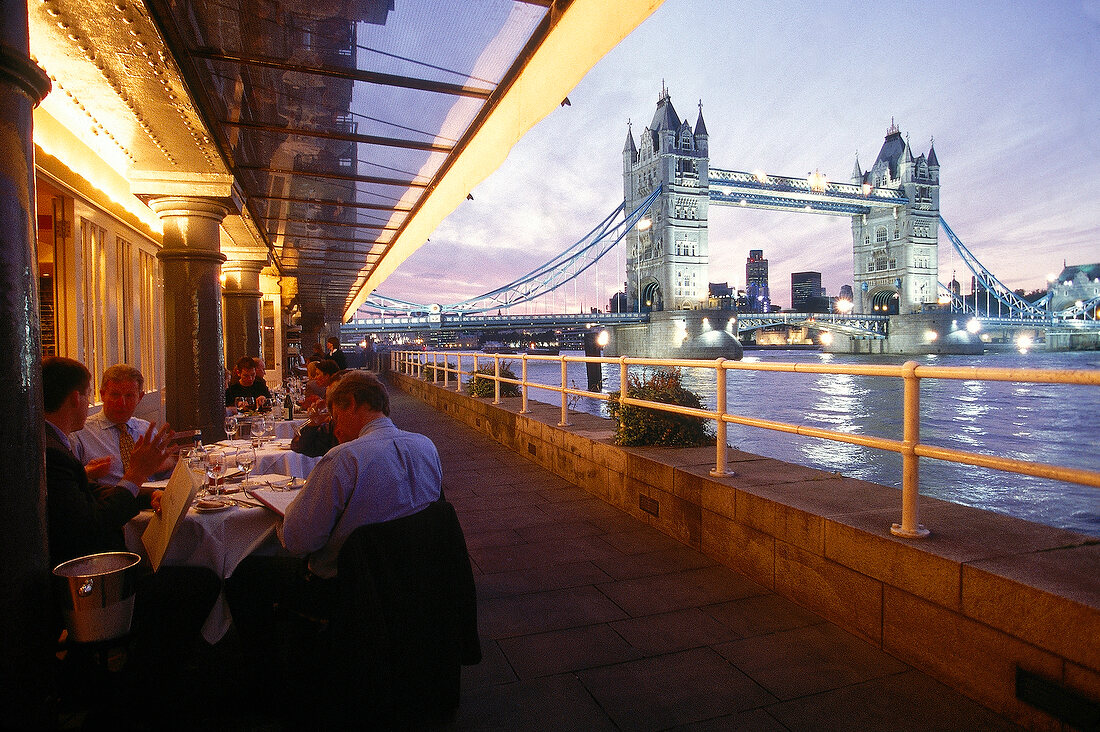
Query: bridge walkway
592, 620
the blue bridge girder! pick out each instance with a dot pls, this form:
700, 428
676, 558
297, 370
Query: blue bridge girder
782, 193
457, 322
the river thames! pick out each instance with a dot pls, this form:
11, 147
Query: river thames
1048, 423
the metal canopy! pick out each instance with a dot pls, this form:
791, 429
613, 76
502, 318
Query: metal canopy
335, 117
343, 130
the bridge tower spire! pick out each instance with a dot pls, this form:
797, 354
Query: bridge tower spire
896, 254
667, 260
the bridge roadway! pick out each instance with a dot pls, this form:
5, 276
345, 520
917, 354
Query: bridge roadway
866, 326
592, 620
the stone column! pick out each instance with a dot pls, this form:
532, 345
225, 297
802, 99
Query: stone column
25, 603
242, 295
194, 363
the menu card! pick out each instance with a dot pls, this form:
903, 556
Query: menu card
277, 501
178, 495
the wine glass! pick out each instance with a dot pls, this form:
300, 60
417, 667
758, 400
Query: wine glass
196, 461
231, 427
242, 404
259, 426
215, 470
246, 459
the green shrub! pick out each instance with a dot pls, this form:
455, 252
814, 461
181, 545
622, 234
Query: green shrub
480, 386
635, 426
429, 372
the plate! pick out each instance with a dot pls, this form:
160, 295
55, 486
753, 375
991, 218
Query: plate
205, 506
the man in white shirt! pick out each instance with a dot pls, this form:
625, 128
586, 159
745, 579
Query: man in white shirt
107, 438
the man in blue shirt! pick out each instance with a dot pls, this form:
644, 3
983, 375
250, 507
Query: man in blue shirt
377, 473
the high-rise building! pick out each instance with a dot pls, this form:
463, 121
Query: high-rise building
756, 282
805, 286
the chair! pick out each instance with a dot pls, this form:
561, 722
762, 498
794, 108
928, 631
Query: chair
405, 621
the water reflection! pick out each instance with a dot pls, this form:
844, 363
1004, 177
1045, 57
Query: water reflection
1048, 423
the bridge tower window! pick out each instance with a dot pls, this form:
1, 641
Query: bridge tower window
880, 235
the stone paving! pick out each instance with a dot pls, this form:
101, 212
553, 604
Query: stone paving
591, 620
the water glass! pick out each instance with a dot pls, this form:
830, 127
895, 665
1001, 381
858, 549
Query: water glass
260, 426
215, 470
231, 427
246, 459
196, 461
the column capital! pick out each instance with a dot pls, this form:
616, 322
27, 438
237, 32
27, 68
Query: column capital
17, 69
190, 255
241, 277
197, 206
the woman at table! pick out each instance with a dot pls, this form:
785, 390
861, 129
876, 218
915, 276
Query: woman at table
323, 374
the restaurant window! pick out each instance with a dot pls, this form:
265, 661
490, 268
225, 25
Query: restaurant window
149, 335
95, 298
124, 300
268, 332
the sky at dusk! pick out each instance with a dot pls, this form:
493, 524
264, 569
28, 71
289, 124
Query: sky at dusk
1010, 91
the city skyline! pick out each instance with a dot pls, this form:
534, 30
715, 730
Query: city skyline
1004, 92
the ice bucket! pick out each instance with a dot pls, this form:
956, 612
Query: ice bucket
97, 595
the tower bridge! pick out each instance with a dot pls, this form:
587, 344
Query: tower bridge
668, 187
894, 207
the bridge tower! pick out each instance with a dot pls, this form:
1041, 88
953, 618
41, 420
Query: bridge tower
896, 257
667, 263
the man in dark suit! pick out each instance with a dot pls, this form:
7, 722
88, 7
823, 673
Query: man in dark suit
86, 518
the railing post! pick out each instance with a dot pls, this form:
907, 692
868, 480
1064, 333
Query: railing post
458, 372
720, 469
622, 379
910, 462
496, 379
446, 371
523, 385
564, 406
435, 366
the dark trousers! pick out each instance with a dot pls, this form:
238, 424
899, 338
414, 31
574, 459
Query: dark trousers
281, 612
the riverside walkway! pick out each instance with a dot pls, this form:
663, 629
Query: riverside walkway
592, 620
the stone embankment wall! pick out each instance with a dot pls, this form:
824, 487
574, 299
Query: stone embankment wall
984, 595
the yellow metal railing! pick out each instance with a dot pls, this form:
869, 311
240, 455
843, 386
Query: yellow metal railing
909, 447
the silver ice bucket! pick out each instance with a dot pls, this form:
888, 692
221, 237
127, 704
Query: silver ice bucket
97, 597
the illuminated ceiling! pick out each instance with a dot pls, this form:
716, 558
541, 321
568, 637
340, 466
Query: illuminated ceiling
344, 130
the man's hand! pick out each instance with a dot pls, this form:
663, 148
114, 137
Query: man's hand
260, 401
318, 415
148, 454
154, 500
97, 468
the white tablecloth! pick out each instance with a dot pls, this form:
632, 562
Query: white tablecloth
276, 457
285, 429
218, 541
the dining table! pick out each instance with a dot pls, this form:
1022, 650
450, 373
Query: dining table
283, 429
218, 539
274, 456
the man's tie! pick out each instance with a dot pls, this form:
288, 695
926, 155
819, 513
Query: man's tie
125, 445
